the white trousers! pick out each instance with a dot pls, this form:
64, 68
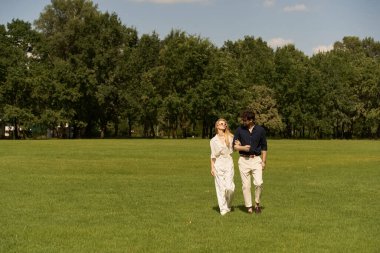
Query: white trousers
247, 167
224, 183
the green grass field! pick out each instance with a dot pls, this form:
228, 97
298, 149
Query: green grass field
158, 196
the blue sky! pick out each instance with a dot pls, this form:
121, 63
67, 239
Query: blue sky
309, 25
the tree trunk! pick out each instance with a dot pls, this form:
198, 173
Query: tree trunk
129, 128
116, 129
204, 129
210, 132
152, 132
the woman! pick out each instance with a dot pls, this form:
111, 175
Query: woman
222, 165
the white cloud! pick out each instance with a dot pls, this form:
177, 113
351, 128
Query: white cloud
279, 42
269, 3
172, 1
296, 7
322, 49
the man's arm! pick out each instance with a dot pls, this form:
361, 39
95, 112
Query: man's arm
239, 147
263, 158
264, 147
237, 144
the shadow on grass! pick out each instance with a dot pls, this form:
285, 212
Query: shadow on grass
216, 209
244, 209
241, 208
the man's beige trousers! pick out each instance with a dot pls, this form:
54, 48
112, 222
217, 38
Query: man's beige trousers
251, 166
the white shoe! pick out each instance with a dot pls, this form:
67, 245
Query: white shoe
224, 212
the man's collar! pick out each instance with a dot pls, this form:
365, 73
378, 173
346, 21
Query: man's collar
246, 127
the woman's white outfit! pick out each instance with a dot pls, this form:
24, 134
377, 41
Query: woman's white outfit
224, 176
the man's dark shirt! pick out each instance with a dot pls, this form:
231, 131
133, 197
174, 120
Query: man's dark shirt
257, 139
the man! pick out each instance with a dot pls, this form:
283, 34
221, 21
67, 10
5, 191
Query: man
250, 141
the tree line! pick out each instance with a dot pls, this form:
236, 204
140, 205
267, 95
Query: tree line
81, 73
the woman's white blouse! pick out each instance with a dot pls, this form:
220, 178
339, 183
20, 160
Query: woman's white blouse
219, 148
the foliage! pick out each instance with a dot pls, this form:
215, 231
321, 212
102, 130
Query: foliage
264, 106
84, 70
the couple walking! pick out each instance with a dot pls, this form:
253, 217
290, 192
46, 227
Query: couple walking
250, 141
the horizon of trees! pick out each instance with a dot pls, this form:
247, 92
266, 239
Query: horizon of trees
81, 73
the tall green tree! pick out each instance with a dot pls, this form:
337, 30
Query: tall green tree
112, 83
363, 81
291, 66
16, 86
255, 60
146, 82
184, 59
219, 93
89, 44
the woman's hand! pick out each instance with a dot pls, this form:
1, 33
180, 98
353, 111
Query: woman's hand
213, 172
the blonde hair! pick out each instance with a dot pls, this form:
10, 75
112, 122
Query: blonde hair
227, 132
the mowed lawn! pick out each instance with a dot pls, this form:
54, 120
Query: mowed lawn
158, 196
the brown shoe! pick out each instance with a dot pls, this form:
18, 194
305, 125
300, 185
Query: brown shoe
257, 209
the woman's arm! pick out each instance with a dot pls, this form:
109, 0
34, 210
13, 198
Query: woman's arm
213, 157
239, 147
213, 167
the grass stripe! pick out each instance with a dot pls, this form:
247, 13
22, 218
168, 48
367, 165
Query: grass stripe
158, 196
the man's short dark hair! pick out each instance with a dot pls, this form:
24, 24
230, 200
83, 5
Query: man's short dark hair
248, 115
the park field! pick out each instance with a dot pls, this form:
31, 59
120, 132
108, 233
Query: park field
141, 195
